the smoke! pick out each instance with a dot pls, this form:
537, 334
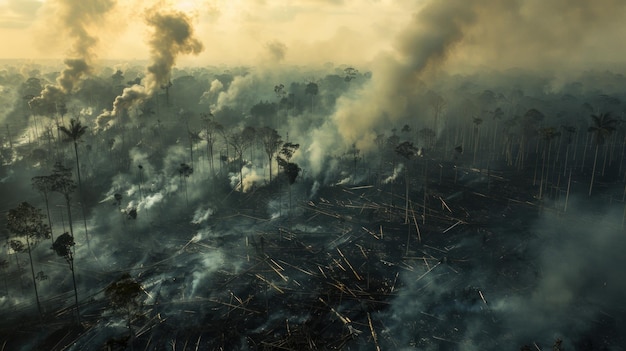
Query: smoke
78, 19
439, 37
396, 172
209, 97
276, 51
172, 36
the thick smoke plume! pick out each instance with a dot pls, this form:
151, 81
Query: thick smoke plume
439, 36
77, 19
172, 36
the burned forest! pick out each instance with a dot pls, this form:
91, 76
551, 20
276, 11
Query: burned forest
406, 195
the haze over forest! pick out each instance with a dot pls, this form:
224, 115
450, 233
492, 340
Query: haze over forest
320, 174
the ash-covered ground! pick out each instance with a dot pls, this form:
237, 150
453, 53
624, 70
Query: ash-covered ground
483, 266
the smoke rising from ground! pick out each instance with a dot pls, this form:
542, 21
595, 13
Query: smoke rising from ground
498, 264
172, 36
78, 19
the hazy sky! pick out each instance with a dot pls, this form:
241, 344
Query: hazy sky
560, 33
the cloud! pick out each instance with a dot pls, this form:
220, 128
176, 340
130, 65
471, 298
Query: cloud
18, 13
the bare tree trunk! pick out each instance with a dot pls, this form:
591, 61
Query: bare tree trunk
80, 192
406, 195
593, 173
75, 292
32, 270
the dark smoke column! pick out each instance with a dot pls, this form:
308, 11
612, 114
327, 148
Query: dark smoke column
78, 18
172, 36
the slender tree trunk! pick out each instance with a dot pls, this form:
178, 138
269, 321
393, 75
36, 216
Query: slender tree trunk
75, 291
69, 215
425, 189
565, 164
19, 270
593, 172
270, 163
606, 148
241, 172
80, 192
406, 194
32, 270
45, 197
80, 184
569, 183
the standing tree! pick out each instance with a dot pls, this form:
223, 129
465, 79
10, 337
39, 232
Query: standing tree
184, 171
211, 129
63, 248
240, 141
570, 130
603, 126
281, 94
74, 132
26, 223
271, 142
123, 295
529, 122
194, 138
311, 89
44, 185
408, 151
380, 144
291, 170
62, 183
477, 123
140, 167
547, 134
355, 155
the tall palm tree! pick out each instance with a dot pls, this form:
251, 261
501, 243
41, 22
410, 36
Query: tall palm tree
603, 126
74, 132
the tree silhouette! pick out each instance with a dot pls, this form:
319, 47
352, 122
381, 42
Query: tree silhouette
240, 141
477, 123
311, 89
570, 131
603, 126
547, 134
354, 153
529, 123
63, 248
408, 151
184, 171
123, 295
271, 142
211, 129
194, 138
62, 183
74, 132
26, 222
290, 169
43, 184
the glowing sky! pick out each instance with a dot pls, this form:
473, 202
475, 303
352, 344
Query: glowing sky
495, 33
